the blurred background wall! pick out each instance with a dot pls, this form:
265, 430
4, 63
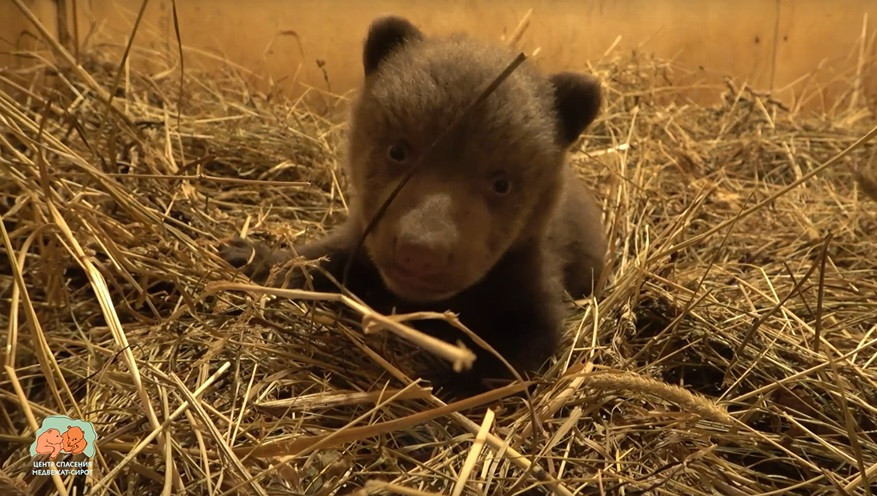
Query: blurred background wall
809, 53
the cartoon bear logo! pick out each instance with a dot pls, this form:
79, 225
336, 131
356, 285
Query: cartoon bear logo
74, 440
62, 434
49, 443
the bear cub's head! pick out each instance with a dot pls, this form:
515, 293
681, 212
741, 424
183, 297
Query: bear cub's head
489, 186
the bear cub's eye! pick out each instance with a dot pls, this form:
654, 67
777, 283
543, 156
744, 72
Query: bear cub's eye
502, 185
397, 153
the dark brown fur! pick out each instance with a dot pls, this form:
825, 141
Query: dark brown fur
493, 225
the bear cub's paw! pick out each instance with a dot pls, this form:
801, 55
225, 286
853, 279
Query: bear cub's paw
253, 258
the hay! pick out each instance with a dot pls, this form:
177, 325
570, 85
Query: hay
733, 351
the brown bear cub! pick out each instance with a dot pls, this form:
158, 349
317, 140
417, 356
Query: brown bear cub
492, 225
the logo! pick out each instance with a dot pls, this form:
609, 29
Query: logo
61, 434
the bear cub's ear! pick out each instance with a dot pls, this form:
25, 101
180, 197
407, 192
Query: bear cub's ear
577, 101
385, 35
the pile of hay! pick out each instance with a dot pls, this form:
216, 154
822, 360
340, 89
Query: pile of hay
733, 351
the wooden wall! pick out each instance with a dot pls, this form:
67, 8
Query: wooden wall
17, 34
808, 51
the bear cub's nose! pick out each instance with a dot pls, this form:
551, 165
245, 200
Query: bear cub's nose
426, 236
420, 259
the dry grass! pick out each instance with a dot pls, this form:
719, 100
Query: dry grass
733, 351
